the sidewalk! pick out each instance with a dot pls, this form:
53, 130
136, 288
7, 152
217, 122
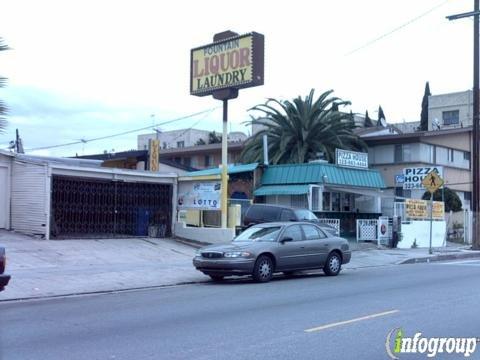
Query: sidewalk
42, 268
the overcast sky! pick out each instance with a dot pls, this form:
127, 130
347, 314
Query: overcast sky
87, 69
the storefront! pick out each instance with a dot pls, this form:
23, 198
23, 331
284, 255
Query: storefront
331, 191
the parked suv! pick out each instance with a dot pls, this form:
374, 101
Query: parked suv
262, 213
4, 279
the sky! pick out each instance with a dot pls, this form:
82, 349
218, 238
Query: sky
89, 69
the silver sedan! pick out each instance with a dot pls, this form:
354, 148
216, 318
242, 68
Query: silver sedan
264, 249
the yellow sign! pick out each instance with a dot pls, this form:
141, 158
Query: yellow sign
416, 209
438, 210
432, 182
236, 62
153, 161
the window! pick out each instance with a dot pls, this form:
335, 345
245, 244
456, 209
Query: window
403, 152
287, 215
207, 160
398, 153
180, 144
451, 155
450, 117
298, 201
326, 201
467, 195
466, 155
294, 232
335, 201
315, 198
311, 232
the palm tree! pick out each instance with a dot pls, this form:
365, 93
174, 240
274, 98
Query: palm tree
3, 107
301, 130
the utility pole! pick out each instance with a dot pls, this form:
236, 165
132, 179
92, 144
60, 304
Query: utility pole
476, 105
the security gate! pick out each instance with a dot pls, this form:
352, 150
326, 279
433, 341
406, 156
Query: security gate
91, 208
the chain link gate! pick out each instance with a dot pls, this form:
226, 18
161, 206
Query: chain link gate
105, 208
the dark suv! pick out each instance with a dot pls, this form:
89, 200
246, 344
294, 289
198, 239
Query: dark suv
262, 213
4, 279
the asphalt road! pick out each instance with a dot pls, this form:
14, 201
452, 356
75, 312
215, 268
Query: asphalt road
350, 315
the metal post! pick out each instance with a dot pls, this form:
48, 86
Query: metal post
475, 167
431, 223
224, 165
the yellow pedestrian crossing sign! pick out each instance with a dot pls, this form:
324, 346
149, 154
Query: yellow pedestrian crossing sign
432, 182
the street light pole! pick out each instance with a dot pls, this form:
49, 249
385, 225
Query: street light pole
476, 105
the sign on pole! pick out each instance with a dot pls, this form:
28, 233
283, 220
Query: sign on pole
236, 62
351, 158
432, 182
413, 177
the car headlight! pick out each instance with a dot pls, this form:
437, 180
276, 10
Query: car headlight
236, 254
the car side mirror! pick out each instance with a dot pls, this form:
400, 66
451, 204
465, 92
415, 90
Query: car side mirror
286, 239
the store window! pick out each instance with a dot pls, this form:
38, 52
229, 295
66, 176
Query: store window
326, 202
315, 198
336, 201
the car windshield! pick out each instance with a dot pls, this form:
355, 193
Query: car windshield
269, 233
304, 214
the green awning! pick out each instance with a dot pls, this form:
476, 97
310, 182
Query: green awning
282, 190
231, 169
322, 174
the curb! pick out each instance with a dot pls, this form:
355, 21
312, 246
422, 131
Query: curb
441, 257
101, 292
193, 243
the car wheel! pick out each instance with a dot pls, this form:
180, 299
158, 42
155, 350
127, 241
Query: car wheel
216, 277
263, 270
333, 265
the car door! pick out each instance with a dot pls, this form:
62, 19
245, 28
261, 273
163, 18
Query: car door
316, 245
291, 254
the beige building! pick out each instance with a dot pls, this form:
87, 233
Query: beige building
452, 110
447, 148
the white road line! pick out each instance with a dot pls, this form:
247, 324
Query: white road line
368, 317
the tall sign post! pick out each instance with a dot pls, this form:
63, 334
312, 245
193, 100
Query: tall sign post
432, 183
220, 69
476, 110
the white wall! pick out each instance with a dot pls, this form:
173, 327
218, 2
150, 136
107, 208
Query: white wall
419, 231
206, 235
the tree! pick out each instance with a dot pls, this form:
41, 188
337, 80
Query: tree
213, 138
368, 121
381, 115
424, 113
200, 142
3, 107
301, 130
452, 201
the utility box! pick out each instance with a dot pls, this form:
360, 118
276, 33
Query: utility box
234, 215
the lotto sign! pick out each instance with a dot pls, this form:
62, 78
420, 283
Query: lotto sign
438, 210
413, 177
199, 195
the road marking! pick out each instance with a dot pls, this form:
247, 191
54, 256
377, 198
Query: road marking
368, 317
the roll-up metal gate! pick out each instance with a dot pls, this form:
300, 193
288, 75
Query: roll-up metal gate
84, 207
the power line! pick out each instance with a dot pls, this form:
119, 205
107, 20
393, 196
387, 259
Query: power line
371, 42
84, 141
